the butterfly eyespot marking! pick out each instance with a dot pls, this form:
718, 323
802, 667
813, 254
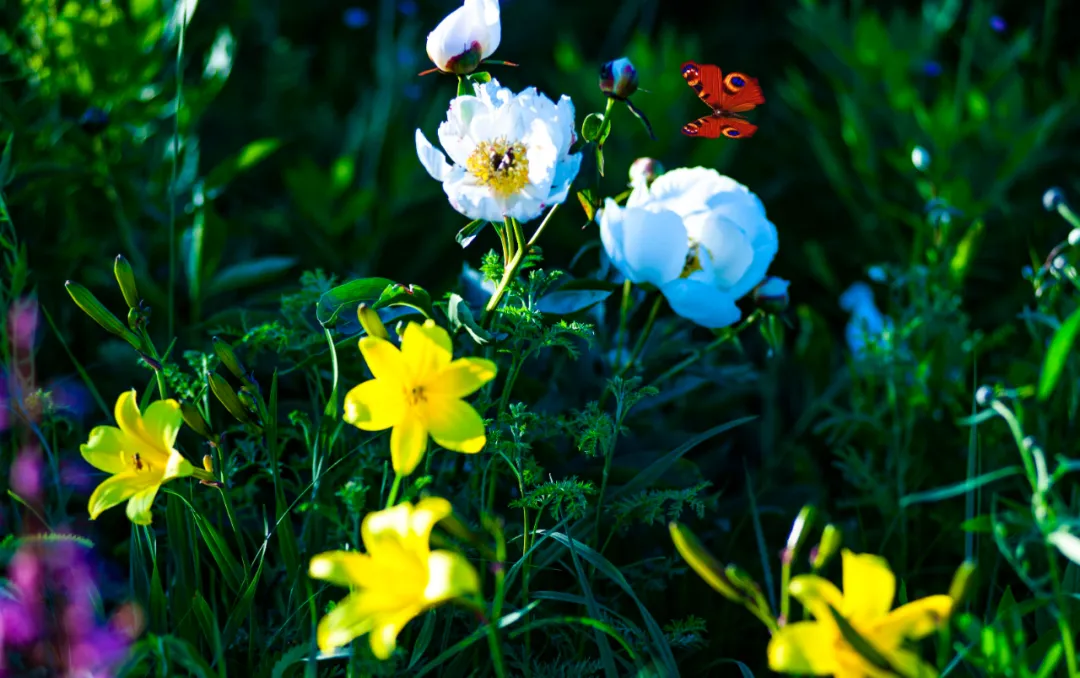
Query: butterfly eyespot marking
734, 82
692, 74
730, 132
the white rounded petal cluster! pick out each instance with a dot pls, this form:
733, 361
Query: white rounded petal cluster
509, 153
466, 36
702, 238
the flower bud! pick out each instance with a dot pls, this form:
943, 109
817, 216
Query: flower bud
798, 532
618, 79
195, 420
208, 463
984, 396
1074, 237
228, 358
962, 583
644, 171
86, 300
371, 322
227, 397
1052, 198
703, 562
465, 37
826, 548
125, 277
771, 295
920, 157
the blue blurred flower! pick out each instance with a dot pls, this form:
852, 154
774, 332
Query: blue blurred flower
998, 24
412, 91
406, 7
867, 324
356, 17
932, 69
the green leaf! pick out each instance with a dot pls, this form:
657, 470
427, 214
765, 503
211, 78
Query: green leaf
242, 607
465, 87
575, 295
600, 159
472, 229
983, 524
480, 77
1057, 354
337, 307
588, 203
960, 488
427, 631
461, 316
5, 163
249, 273
356, 205
861, 645
208, 623
592, 127
412, 296
246, 158
1068, 544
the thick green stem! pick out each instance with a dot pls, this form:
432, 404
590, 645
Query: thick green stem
391, 499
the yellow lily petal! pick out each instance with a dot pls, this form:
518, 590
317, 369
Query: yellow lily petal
177, 467
913, 621
425, 514
138, 507
455, 425
910, 665
130, 421
869, 587
352, 617
450, 576
116, 490
804, 648
426, 348
461, 378
408, 441
344, 568
105, 449
162, 421
385, 361
375, 405
387, 627
816, 594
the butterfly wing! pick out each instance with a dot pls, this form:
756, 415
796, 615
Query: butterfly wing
707, 82
716, 126
739, 93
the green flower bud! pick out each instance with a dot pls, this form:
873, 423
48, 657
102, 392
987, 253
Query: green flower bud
798, 532
618, 79
125, 277
371, 322
826, 548
86, 300
227, 397
228, 359
704, 563
195, 420
963, 582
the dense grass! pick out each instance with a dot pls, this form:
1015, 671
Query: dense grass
274, 186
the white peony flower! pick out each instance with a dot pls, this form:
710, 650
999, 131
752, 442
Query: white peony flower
510, 152
468, 35
703, 239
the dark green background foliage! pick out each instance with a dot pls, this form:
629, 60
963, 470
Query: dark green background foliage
297, 155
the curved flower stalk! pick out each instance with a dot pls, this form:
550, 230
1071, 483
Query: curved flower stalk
139, 456
396, 580
702, 238
467, 36
510, 153
417, 391
854, 633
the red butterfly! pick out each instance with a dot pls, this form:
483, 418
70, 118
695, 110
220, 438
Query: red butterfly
728, 96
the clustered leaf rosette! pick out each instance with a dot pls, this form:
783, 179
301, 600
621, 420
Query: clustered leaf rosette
510, 153
876, 642
395, 581
138, 455
467, 36
700, 237
417, 391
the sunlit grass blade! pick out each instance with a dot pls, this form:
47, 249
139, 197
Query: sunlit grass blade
960, 488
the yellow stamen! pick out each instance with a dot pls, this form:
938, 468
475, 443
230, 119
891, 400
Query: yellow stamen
502, 167
693, 260
416, 395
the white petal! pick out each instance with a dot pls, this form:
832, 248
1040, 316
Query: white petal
655, 246
565, 173
484, 21
700, 303
473, 200
728, 253
524, 207
610, 219
432, 158
542, 155
451, 38
859, 294
685, 191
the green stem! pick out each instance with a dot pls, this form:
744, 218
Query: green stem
504, 399
392, 498
624, 312
785, 580
1067, 644
644, 336
697, 355
540, 228
172, 183
496, 605
148, 347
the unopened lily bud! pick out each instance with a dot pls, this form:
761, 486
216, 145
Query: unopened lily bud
618, 79
195, 420
248, 400
371, 322
228, 358
771, 295
798, 532
704, 563
86, 300
125, 277
826, 548
227, 397
208, 463
134, 317
963, 582
644, 171
468, 35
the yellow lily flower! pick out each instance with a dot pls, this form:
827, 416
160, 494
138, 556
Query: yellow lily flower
819, 647
139, 456
397, 579
418, 391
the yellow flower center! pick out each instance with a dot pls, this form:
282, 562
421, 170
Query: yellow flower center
416, 396
502, 167
693, 260
139, 463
